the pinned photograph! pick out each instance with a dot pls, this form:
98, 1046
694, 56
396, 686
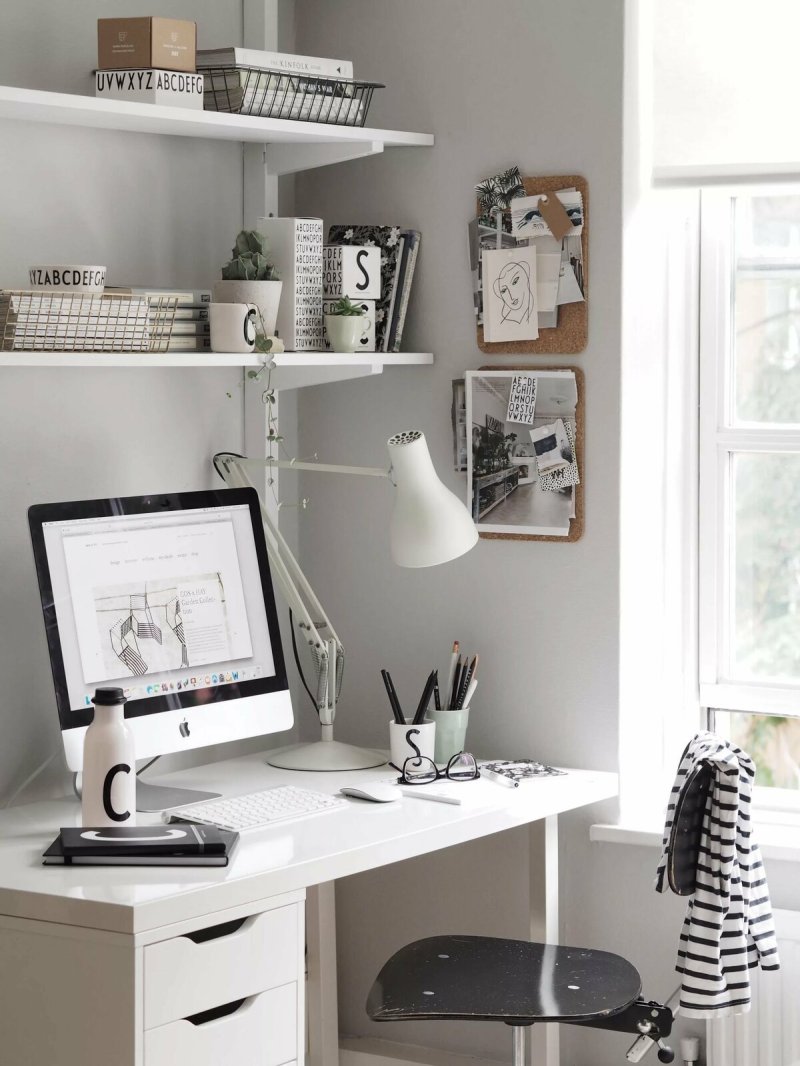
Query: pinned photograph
509, 295
498, 192
552, 447
505, 486
526, 215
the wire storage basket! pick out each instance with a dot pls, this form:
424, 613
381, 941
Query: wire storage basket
241, 90
37, 320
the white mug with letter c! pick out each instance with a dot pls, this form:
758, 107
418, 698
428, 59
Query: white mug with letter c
233, 327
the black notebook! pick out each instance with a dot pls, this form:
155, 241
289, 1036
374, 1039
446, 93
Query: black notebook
158, 845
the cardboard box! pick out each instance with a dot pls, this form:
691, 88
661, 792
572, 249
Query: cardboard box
367, 342
294, 245
137, 43
352, 270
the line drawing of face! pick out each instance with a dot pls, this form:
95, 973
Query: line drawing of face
513, 287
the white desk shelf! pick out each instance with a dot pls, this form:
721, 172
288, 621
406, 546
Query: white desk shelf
291, 146
292, 370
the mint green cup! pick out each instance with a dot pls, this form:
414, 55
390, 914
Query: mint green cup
451, 732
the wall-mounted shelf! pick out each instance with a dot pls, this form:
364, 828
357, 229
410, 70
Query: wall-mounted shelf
292, 370
292, 146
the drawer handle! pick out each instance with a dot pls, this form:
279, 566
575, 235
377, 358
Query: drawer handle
213, 1013
215, 932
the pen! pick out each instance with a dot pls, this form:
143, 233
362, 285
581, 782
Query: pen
437, 699
466, 677
451, 673
393, 700
418, 792
425, 699
470, 693
498, 779
456, 683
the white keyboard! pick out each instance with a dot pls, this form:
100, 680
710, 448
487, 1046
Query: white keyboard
259, 810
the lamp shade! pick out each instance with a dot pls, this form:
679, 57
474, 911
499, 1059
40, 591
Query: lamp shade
430, 525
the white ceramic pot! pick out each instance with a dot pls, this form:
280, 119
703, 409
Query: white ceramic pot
266, 295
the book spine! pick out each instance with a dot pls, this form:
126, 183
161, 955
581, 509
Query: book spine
281, 61
383, 344
407, 276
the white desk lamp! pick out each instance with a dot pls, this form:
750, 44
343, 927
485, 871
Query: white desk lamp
429, 525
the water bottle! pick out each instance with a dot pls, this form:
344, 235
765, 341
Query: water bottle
109, 764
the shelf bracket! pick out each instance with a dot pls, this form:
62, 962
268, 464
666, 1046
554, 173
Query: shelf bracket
281, 159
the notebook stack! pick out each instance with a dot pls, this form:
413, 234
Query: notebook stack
248, 81
177, 318
176, 844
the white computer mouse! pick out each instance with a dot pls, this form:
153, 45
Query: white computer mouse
377, 791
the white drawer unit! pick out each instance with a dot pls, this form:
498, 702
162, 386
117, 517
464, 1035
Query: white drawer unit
216, 965
261, 1031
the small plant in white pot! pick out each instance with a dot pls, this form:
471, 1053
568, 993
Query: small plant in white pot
250, 278
346, 324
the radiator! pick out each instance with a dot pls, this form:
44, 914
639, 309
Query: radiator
769, 1035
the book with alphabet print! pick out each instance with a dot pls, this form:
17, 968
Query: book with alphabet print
391, 241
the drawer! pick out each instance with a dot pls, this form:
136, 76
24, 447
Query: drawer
220, 964
261, 1031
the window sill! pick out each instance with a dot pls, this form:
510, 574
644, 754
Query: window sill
778, 839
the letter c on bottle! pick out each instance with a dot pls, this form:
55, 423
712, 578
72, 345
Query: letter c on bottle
120, 768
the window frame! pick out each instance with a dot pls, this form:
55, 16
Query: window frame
720, 438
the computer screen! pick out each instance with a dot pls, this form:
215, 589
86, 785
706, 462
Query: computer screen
170, 598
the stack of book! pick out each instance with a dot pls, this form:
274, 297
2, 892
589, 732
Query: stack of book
40, 321
247, 81
177, 319
399, 249
177, 844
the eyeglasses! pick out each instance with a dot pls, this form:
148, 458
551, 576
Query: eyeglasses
419, 770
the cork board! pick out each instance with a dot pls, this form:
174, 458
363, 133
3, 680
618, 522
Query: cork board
572, 333
576, 525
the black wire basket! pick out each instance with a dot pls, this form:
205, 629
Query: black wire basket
264, 93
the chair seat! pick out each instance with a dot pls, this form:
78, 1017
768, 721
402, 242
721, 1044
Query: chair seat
513, 981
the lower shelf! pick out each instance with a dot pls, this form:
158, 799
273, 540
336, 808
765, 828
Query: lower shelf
291, 371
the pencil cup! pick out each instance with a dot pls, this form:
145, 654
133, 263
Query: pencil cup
451, 731
411, 741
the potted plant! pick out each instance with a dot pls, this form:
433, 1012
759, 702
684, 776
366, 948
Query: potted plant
346, 324
250, 278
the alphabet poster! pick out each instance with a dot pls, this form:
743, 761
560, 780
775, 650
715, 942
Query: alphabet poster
510, 310
522, 399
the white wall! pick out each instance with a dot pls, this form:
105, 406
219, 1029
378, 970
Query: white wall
156, 210
539, 85
725, 82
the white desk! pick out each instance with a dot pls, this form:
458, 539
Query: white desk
96, 965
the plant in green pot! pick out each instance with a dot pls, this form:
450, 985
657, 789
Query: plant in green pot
250, 278
345, 325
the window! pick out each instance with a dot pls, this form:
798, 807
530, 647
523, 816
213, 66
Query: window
749, 508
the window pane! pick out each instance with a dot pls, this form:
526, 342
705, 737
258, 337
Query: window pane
772, 743
767, 309
766, 567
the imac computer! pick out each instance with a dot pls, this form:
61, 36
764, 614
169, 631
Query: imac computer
169, 598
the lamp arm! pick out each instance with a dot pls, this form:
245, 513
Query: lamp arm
302, 600
323, 468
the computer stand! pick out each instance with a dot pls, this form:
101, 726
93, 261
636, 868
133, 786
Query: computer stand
153, 799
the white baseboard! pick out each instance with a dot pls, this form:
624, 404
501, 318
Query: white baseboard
366, 1051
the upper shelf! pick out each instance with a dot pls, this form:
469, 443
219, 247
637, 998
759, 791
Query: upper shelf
292, 370
293, 146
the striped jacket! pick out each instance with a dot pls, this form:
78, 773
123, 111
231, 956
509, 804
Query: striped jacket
728, 928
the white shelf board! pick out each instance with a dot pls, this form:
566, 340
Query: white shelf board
292, 370
307, 138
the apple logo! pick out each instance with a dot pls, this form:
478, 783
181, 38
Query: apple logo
184, 728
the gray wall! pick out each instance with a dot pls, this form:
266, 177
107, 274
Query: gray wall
156, 210
538, 85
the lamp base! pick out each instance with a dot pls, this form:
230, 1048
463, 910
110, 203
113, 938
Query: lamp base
326, 756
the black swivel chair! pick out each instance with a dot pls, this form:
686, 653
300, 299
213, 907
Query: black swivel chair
478, 978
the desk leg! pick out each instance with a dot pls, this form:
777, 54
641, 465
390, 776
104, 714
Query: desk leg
543, 857
322, 1009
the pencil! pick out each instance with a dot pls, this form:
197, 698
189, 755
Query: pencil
466, 677
451, 674
393, 701
425, 698
456, 685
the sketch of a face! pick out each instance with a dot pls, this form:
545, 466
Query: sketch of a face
513, 287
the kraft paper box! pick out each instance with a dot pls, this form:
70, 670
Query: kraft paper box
137, 43
294, 246
352, 270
